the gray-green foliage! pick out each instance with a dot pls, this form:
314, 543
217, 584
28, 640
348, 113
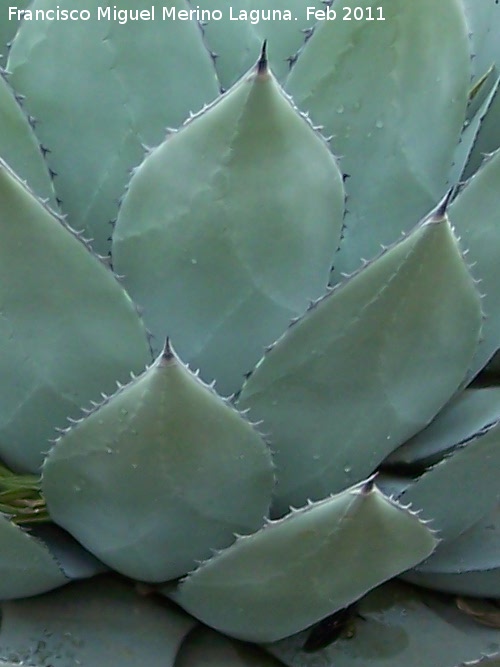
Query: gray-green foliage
309, 430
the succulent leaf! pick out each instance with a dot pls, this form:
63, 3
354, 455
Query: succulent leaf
67, 329
457, 477
297, 570
235, 42
487, 139
205, 648
242, 239
483, 19
84, 101
19, 147
74, 561
468, 565
159, 475
474, 214
236, 217
103, 623
358, 80
399, 625
8, 28
478, 135
368, 366
461, 420
26, 565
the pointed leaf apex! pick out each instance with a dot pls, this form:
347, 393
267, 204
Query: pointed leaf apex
440, 211
262, 63
168, 351
368, 486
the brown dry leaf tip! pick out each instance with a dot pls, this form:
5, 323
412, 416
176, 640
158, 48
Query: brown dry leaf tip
482, 611
369, 484
143, 589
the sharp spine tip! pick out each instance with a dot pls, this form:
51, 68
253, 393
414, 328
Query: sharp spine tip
369, 484
262, 61
440, 211
168, 352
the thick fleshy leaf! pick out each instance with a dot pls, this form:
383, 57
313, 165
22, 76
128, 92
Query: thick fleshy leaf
9, 23
474, 215
19, 147
158, 476
368, 366
484, 661
400, 625
487, 139
245, 24
26, 565
297, 570
478, 135
205, 648
483, 19
469, 476
102, 622
393, 94
469, 565
236, 218
73, 560
67, 332
462, 419
84, 81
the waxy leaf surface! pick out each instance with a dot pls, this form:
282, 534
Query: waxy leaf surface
359, 79
26, 565
469, 565
104, 622
474, 214
229, 228
158, 476
68, 331
205, 648
368, 366
400, 625
462, 419
86, 86
457, 477
236, 41
19, 146
297, 570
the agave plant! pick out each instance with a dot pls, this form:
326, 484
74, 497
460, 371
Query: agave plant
265, 400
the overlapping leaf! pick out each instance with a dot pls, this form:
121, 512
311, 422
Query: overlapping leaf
102, 623
86, 85
205, 648
393, 94
456, 477
159, 475
400, 625
26, 565
299, 569
68, 331
468, 565
474, 214
19, 146
368, 366
483, 19
9, 23
236, 39
229, 228
464, 418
